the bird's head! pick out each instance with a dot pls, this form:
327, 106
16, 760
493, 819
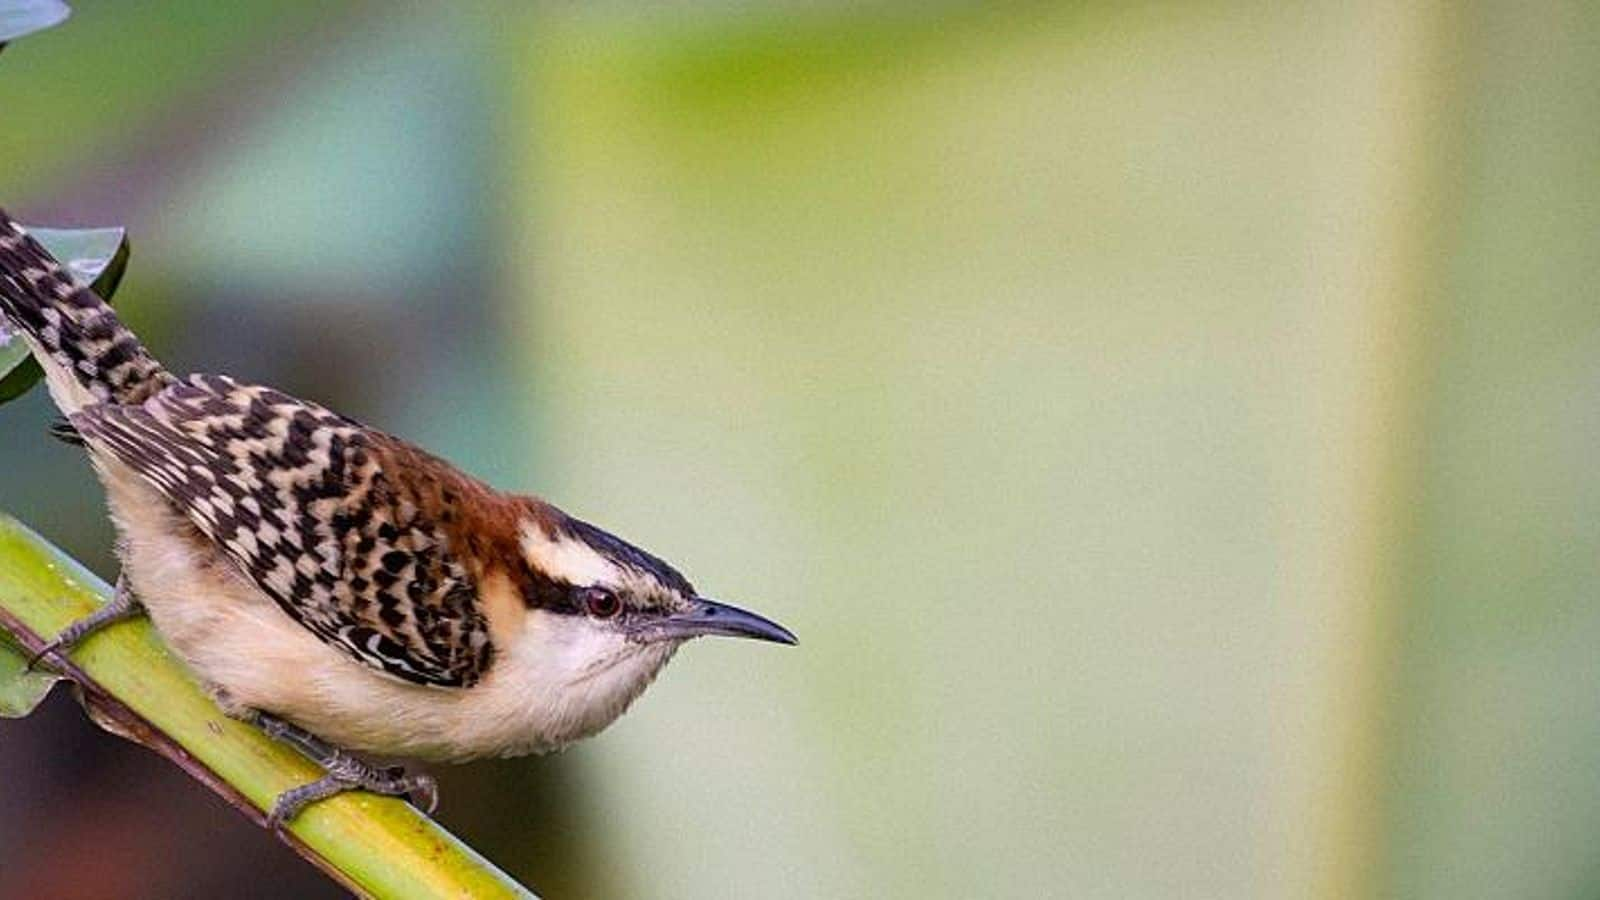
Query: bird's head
603, 616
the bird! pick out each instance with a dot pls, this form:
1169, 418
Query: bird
347, 591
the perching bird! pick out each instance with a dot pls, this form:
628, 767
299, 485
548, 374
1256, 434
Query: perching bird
340, 587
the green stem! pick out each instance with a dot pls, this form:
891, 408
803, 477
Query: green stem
374, 846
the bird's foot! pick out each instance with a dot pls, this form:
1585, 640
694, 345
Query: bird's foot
355, 775
345, 772
124, 605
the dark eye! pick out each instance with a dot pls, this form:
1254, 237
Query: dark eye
600, 603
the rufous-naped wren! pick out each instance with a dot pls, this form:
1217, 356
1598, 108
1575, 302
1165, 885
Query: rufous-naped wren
337, 585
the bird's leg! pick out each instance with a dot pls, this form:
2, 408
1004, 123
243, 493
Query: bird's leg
344, 773
124, 605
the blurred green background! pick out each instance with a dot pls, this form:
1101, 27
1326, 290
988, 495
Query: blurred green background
1171, 428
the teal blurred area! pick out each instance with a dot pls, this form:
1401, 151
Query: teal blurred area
1169, 428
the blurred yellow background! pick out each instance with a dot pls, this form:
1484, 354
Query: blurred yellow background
1170, 428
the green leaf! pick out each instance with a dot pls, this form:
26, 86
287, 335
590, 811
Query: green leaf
97, 257
20, 689
23, 17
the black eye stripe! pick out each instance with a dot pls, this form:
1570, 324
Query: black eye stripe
565, 599
551, 595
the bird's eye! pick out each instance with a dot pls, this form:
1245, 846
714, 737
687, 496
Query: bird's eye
601, 603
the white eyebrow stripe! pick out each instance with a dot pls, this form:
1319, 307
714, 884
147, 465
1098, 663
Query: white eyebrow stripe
563, 557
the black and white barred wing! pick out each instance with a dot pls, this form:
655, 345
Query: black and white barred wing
297, 498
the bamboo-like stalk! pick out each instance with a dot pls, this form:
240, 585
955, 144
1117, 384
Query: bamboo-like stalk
374, 846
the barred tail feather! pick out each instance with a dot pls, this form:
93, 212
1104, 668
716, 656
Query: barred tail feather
87, 353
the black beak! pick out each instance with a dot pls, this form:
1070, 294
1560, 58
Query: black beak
705, 617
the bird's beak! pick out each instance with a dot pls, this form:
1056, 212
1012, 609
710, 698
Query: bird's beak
705, 617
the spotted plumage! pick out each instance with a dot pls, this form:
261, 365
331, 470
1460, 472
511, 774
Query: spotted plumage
71, 325
300, 499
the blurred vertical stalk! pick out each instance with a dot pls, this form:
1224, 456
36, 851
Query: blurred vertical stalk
1395, 360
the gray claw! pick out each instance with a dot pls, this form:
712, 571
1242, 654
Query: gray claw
291, 802
344, 772
123, 606
424, 793
351, 774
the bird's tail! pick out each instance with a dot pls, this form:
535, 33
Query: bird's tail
88, 355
